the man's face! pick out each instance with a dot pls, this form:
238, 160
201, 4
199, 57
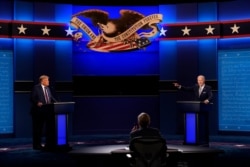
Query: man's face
201, 81
45, 81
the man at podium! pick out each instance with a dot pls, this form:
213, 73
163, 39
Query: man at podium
195, 113
41, 96
202, 92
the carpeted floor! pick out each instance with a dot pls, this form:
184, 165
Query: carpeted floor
19, 152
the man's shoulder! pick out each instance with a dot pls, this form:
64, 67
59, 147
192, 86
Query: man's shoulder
208, 87
153, 128
37, 87
145, 130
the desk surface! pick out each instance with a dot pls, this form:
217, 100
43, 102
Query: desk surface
123, 148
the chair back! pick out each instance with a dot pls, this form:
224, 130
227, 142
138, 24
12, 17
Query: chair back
148, 151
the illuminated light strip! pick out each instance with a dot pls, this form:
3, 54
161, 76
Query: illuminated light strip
4, 149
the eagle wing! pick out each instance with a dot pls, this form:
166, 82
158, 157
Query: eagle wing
130, 17
96, 16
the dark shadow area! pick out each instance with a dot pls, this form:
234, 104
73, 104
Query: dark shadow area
19, 152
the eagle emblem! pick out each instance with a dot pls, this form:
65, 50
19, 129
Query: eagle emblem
130, 31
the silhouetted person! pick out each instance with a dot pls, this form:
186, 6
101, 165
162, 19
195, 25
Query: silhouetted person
143, 128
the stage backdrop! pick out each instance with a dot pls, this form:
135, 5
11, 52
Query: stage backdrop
6, 92
234, 90
115, 67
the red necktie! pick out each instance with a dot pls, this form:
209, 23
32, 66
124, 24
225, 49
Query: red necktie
46, 95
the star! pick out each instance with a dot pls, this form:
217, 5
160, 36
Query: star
45, 30
69, 32
21, 29
163, 32
235, 29
185, 31
210, 30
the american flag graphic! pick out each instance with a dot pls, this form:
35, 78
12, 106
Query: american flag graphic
119, 46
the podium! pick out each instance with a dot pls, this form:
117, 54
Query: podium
57, 125
196, 122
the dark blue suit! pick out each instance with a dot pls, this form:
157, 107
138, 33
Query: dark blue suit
41, 116
205, 94
148, 132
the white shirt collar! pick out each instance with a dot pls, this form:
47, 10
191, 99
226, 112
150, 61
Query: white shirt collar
202, 86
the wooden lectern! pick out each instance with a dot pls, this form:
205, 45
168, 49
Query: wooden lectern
196, 122
58, 125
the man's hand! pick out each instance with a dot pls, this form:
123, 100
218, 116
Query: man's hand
39, 104
176, 84
135, 127
206, 101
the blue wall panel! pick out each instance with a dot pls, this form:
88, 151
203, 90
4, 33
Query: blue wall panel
233, 43
24, 54
167, 60
168, 116
63, 49
39, 12
63, 13
186, 12
169, 13
63, 60
207, 12
44, 58
22, 116
6, 92
208, 58
6, 44
6, 10
134, 63
187, 61
234, 10
23, 11
234, 78
112, 114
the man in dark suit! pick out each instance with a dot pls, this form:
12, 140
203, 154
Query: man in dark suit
202, 92
143, 128
42, 117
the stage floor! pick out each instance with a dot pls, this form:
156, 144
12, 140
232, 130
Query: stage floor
96, 149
